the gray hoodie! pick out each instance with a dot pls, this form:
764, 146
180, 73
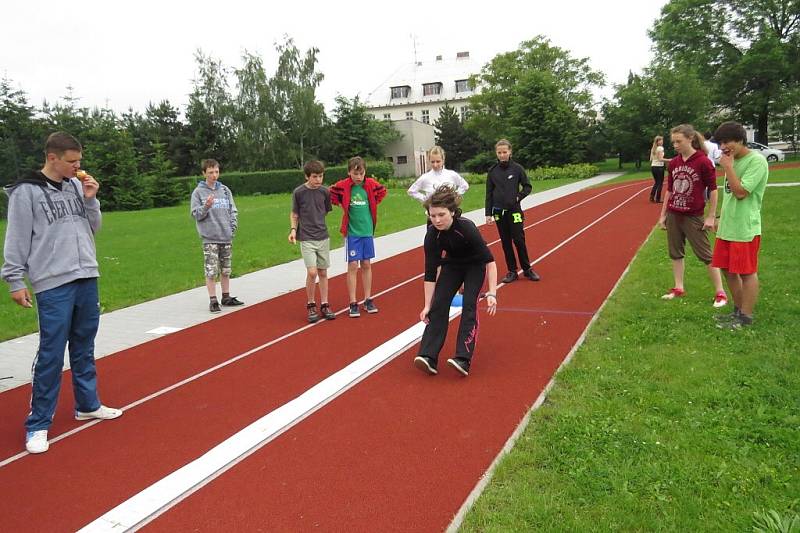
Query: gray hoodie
50, 234
216, 224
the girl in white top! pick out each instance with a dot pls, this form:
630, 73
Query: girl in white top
657, 167
437, 176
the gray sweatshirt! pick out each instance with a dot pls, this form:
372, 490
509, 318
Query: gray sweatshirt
216, 224
50, 234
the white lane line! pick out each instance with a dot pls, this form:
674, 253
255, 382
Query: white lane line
236, 358
170, 490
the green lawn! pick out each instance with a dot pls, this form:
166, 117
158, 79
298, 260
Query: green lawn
663, 422
148, 254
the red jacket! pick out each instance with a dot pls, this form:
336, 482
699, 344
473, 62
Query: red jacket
340, 195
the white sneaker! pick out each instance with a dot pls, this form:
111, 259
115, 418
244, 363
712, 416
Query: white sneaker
103, 413
36, 441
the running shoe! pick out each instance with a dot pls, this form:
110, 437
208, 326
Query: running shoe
36, 441
674, 293
369, 306
720, 299
101, 413
311, 308
325, 311
460, 364
531, 275
214, 307
354, 312
231, 301
511, 276
426, 364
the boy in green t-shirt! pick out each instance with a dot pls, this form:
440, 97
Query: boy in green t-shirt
739, 231
359, 197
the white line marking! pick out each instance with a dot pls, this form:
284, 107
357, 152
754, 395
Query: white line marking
170, 490
236, 358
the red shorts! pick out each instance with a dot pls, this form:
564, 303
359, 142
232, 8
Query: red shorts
737, 257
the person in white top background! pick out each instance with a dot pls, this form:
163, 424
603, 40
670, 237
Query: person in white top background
657, 168
712, 148
424, 187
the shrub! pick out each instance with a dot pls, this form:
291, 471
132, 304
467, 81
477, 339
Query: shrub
481, 162
578, 171
280, 181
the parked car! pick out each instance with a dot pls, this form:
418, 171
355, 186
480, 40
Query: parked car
772, 154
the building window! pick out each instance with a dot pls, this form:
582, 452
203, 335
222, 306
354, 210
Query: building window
426, 116
431, 89
390, 159
387, 116
462, 86
409, 115
464, 111
402, 160
401, 91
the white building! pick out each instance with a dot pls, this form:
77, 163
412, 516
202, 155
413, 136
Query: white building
416, 92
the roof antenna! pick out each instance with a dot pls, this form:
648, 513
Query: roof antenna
414, 45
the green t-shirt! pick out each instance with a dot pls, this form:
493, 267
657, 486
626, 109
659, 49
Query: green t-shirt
740, 220
360, 219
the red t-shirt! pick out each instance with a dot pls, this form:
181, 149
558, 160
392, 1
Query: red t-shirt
688, 181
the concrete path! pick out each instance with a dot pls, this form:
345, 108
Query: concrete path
140, 323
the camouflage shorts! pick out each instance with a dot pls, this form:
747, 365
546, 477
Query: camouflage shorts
217, 260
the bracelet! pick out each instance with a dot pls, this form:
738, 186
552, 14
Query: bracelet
493, 295
292, 229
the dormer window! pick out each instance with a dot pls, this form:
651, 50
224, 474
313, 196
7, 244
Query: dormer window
401, 91
462, 86
431, 89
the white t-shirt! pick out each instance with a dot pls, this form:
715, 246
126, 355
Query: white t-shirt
657, 162
713, 151
426, 184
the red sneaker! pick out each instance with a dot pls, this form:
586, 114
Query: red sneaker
674, 293
721, 299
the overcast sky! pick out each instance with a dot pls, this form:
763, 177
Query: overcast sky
125, 54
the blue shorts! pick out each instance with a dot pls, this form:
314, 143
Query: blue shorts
359, 248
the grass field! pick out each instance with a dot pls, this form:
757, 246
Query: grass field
663, 422
148, 254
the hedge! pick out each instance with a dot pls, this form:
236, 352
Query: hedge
278, 181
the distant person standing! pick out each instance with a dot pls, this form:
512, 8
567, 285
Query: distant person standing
657, 161
217, 219
682, 214
438, 175
53, 215
739, 234
506, 185
712, 148
311, 202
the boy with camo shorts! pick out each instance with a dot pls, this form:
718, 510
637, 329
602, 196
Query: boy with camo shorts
217, 219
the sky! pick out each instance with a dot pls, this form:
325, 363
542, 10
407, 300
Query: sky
126, 54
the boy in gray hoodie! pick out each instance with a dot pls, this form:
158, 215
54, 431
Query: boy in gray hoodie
217, 219
52, 218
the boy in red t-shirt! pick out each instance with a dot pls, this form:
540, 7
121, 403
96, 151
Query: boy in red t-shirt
691, 173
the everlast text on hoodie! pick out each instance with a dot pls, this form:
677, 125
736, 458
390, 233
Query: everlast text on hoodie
216, 224
50, 234
506, 186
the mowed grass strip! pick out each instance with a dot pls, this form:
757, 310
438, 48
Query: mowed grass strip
662, 422
148, 254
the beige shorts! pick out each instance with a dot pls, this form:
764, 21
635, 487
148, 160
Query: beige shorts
316, 254
682, 228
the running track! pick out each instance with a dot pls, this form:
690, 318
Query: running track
398, 451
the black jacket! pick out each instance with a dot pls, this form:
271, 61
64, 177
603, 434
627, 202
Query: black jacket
506, 186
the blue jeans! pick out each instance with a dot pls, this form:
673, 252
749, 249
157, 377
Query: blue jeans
67, 314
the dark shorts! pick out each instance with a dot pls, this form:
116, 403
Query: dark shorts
359, 248
682, 228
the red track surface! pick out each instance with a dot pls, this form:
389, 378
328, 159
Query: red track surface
399, 451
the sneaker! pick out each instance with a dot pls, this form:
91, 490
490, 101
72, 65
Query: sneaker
460, 364
214, 307
727, 317
674, 293
325, 311
312, 312
102, 413
426, 364
738, 322
354, 312
511, 276
531, 275
36, 441
369, 306
231, 301
720, 300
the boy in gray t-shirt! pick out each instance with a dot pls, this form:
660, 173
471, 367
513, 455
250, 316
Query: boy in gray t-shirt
310, 203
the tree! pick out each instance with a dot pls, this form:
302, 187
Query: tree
357, 132
458, 143
210, 111
259, 142
20, 134
164, 191
573, 78
746, 52
544, 126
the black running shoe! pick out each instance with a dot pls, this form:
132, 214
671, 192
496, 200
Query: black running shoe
531, 275
325, 311
312, 312
511, 276
426, 364
231, 301
214, 307
354, 312
460, 364
369, 306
